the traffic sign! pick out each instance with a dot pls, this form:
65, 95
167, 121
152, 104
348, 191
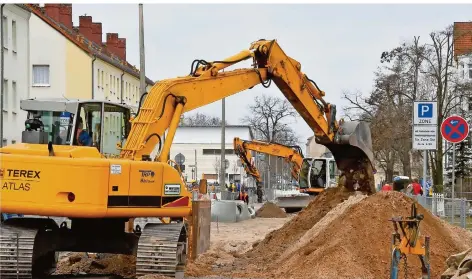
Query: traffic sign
424, 137
180, 159
425, 113
454, 129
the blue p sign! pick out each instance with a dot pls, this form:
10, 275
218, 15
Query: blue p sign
425, 110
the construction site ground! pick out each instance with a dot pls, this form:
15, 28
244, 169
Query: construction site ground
339, 235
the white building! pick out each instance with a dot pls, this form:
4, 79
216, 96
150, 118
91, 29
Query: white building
15, 32
201, 146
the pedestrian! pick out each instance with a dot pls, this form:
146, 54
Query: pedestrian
387, 187
417, 189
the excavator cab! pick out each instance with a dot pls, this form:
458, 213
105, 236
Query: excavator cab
317, 174
77, 123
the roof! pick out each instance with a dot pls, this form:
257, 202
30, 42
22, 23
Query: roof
59, 104
86, 45
211, 134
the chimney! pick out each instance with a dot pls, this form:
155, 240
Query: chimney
65, 15
122, 48
85, 26
52, 11
116, 45
97, 32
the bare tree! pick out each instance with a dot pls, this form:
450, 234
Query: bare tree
269, 120
200, 119
413, 71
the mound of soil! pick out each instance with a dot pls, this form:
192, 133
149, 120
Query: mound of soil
352, 241
270, 210
79, 263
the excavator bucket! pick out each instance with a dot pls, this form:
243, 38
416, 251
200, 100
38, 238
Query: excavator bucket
352, 151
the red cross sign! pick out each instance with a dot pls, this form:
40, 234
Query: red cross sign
454, 129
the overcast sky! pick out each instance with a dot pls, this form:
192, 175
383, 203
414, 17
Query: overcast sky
338, 45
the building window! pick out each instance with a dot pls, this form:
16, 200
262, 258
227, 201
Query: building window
217, 151
6, 92
13, 35
14, 97
98, 78
5, 31
40, 75
13, 141
5, 95
470, 70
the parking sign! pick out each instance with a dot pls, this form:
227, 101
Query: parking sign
425, 113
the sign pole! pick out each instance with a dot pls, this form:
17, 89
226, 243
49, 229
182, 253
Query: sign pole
453, 179
454, 129
425, 170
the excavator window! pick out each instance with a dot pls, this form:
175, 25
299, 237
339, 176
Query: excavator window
90, 116
332, 170
318, 173
58, 125
116, 127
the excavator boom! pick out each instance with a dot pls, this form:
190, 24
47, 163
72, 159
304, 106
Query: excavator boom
350, 142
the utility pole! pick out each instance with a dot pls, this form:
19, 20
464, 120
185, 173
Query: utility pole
142, 77
222, 163
196, 173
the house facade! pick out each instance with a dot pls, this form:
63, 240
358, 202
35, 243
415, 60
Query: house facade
15, 32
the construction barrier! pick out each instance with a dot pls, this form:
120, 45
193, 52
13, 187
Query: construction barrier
200, 228
227, 211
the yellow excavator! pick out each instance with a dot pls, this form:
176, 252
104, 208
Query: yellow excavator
67, 177
292, 154
313, 175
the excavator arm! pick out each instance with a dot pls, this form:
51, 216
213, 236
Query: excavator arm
292, 154
246, 160
160, 110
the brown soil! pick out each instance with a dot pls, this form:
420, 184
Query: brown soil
79, 263
270, 210
353, 243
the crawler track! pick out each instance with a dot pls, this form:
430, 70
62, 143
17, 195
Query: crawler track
162, 250
16, 252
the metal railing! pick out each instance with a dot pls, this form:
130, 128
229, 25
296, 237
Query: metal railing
457, 211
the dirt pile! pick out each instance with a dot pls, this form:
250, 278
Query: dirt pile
79, 263
351, 242
270, 210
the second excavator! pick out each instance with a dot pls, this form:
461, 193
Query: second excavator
313, 175
60, 179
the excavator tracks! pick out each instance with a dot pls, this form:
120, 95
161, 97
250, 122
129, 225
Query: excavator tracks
16, 252
162, 250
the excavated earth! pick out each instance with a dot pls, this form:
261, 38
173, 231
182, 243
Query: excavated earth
270, 210
342, 235
339, 234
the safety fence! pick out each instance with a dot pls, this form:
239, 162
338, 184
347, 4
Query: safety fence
457, 211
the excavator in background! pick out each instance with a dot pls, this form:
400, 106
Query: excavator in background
100, 193
313, 175
292, 154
